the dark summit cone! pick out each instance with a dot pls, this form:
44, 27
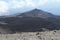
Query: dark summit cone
36, 13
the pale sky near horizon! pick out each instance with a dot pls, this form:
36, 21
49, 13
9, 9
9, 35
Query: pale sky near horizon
16, 6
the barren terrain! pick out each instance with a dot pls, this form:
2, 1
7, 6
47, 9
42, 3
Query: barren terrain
47, 35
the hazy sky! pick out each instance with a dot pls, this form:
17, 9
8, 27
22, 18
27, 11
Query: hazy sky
17, 6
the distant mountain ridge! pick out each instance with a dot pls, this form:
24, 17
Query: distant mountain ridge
31, 21
36, 13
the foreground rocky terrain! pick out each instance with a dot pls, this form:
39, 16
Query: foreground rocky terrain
47, 35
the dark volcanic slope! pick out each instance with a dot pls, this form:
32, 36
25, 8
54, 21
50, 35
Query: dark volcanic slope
32, 21
29, 24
